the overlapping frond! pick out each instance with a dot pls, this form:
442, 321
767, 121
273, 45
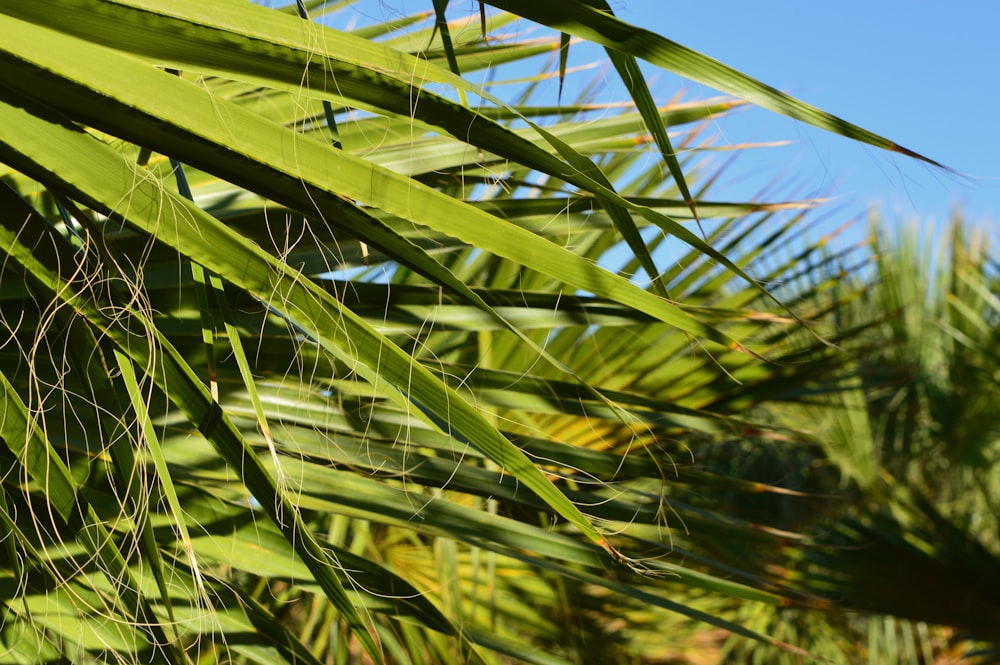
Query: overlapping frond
436, 387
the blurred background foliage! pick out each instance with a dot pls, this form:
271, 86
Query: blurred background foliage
318, 353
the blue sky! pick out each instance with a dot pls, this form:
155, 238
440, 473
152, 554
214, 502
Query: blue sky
921, 73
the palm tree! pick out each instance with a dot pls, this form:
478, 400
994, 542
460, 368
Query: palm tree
312, 354
919, 539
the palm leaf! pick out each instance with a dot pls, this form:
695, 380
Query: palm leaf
369, 402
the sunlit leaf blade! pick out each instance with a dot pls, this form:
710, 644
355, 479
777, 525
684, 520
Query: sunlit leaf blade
159, 462
632, 76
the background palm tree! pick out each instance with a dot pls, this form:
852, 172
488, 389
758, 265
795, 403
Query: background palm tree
315, 351
919, 540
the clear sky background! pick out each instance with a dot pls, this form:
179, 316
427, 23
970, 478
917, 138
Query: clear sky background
921, 73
